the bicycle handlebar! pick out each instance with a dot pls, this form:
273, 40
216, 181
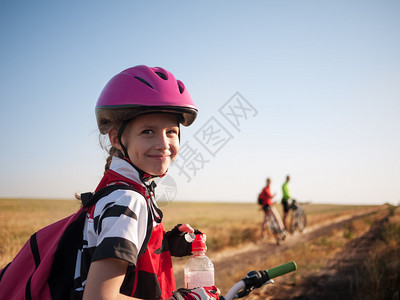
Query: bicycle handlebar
282, 269
256, 279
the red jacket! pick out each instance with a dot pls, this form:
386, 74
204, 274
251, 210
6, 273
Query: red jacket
152, 277
266, 196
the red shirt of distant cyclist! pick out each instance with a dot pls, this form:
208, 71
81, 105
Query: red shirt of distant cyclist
266, 196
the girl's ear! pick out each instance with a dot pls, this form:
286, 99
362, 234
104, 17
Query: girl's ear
113, 136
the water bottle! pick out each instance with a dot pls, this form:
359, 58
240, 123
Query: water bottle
199, 270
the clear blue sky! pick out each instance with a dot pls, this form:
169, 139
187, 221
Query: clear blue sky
321, 80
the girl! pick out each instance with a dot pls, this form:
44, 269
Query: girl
126, 252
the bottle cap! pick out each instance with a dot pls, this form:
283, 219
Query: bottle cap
189, 237
199, 243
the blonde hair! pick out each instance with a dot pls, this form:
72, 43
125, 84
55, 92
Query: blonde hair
113, 121
112, 152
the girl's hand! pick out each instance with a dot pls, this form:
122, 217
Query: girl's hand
180, 239
186, 228
206, 293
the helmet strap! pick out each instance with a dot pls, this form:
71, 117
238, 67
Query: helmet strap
120, 133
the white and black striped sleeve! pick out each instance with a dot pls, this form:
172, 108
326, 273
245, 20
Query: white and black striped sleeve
120, 221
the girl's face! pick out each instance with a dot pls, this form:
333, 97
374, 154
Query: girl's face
152, 142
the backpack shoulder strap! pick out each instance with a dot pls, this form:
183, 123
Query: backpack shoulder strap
89, 199
63, 268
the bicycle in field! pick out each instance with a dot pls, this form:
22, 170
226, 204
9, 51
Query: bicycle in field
298, 217
256, 279
271, 221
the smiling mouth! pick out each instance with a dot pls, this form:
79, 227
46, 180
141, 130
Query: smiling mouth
159, 157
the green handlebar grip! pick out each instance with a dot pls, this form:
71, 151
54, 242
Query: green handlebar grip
282, 269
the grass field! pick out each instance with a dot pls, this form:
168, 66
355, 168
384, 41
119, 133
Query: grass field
231, 225
379, 276
226, 224
20, 218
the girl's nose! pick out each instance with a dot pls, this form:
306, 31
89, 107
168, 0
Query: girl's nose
162, 142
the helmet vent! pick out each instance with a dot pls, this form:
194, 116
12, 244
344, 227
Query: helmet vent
181, 86
144, 81
162, 75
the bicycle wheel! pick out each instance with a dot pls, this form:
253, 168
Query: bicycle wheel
302, 221
293, 222
274, 227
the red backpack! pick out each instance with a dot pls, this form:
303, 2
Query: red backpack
44, 268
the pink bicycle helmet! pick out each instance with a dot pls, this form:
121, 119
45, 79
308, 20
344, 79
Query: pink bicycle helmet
140, 90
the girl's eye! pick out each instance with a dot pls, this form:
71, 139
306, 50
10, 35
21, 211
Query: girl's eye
172, 131
147, 131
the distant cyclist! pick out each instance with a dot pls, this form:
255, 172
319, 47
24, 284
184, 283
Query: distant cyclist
285, 200
265, 199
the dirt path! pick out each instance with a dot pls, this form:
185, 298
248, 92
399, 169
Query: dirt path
336, 279
330, 283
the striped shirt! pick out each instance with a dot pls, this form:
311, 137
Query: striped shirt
115, 227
